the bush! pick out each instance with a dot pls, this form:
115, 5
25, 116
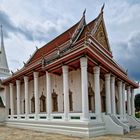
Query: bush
137, 114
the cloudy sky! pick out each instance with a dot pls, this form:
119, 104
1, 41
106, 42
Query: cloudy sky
31, 23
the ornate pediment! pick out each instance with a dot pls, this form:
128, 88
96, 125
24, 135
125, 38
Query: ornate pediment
101, 36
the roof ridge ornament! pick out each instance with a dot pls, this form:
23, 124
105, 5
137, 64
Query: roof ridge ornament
98, 20
84, 12
78, 29
102, 8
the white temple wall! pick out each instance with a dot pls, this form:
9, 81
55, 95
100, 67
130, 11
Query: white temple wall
91, 80
57, 86
42, 88
75, 87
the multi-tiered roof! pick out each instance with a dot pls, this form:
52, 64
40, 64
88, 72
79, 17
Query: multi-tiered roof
81, 39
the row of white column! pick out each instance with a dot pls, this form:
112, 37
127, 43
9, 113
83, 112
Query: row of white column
109, 89
110, 97
26, 87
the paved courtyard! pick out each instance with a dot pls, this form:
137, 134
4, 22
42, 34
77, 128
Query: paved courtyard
7, 133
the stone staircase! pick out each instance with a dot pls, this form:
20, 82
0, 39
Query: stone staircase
131, 127
125, 126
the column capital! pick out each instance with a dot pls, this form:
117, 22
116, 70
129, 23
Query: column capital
119, 83
83, 61
123, 83
36, 74
47, 72
11, 84
107, 76
112, 79
26, 78
96, 70
18, 82
132, 90
65, 69
128, 88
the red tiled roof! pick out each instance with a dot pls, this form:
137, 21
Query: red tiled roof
62, 38
59, 40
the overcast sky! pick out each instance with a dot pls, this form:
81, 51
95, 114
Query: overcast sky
31, 23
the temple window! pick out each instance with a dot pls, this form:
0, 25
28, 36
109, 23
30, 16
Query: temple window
70, 101
42, 103
54, 102
24, 106
90, 98
33, 104
103, 100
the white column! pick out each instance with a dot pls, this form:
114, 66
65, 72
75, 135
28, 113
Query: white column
84, 86
128, 101
132, 103
123, 98
18, 96
11, 99
97, 92
49, 98
113, 103
120, 97
6, 93
107, 92
26, 96
65, 91
36, 90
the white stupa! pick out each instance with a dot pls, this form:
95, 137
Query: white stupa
4, 69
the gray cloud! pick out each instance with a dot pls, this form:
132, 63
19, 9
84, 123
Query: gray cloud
30, 33
128, 55
7, 23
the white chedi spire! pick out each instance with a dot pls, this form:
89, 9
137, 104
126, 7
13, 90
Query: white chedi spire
4, 70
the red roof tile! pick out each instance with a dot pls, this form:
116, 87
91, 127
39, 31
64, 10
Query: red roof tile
62, 38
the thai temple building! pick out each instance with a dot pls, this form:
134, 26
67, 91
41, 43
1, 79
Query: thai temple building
72, 86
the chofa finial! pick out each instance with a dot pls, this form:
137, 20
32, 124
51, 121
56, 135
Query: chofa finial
84, 12
102, 9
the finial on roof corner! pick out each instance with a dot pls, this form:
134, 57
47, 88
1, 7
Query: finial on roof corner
12, 72
36, 47
102, 9
24, 63
84, 12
